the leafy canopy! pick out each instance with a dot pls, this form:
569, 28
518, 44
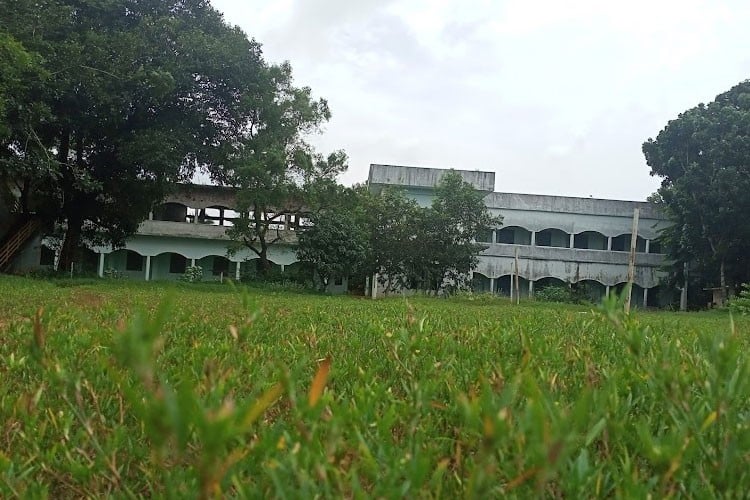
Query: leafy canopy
703, 158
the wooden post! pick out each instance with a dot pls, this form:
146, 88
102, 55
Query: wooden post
631, 260
684, 291
518, 290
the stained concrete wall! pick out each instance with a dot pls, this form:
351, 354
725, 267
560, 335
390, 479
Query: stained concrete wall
419, 177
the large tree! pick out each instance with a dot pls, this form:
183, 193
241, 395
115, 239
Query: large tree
703, 158
134, 96
406, 246
277, 172
456, 217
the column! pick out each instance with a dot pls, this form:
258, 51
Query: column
648, 245
533, 238
374, 285
492, 284
609, 243
494, 236
572, 241
192, 262
101, 265
282, 268
645, 293
531, 289
237, 272
606, 287
148, 267
150, 215
197, 212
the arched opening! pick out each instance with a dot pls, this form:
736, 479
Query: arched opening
621, 243
654, 246
506, 285
125, 262
168, 266
636, 294
480, 283
589, 290
484, 236
251, 271
590, 240
553, 238
46, 256
547, 282
171, 211
514, 235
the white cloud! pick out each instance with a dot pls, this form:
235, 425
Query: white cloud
557, 97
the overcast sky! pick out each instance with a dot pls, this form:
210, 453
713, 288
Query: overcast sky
555, 96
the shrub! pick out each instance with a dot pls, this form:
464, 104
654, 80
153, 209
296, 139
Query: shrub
193, 274
741, 303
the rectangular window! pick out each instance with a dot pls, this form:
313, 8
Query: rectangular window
177, 263
221, 265
46, 256
133, 262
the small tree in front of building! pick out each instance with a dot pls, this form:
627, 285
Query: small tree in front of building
448, 229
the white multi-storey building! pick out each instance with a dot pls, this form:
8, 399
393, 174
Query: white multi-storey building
543, 239
557, 239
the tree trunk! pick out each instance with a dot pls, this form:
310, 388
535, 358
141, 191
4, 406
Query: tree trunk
71, 242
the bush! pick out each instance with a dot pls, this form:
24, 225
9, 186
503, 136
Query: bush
741, 303
576, 294
193, 274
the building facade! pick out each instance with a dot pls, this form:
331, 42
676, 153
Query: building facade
543, 240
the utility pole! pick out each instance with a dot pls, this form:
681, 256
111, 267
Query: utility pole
631, 260
518, 288
684, 291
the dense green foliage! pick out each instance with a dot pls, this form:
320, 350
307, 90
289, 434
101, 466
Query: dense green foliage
104, 391
279, 174
385, 234
104, 106
703, 157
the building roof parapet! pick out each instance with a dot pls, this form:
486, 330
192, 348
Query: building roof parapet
425, 178
572, 205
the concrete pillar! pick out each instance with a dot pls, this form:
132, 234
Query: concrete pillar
645, 295
533, 238
150, 215
101, 265
494, 236
492, 285
237, 272
572, 240
531, 289
374, 285
148, 267
606, 287
282, 268
648, 245
367, 286
192, 262
195, 219
609, 243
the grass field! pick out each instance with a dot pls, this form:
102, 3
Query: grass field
147, 389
